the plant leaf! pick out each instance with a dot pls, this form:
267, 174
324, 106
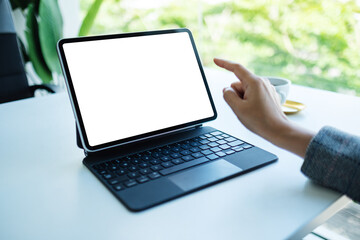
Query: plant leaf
34, 49
50, 32
90, 18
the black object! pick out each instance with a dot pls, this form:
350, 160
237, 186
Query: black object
148, 169
175, 165
74, 100
13, 81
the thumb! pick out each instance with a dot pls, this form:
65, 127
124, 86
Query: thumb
233, 99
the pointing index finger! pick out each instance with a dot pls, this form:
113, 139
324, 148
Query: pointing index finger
239, 70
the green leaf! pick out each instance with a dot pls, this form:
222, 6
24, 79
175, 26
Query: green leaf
34, 49
90, 18
50, 32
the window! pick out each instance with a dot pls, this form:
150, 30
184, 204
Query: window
313, 43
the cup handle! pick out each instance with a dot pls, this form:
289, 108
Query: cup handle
282, 98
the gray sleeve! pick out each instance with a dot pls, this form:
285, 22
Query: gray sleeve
332, 159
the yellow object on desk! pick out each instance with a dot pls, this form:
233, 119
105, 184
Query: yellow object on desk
292, 107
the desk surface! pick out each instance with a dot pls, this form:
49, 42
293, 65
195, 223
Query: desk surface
47, 193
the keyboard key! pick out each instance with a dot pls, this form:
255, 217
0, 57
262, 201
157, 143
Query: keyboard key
135, 161
184, 166
195, 149
177, 161
154, 175
207, 152
224, 146
212, 156
225, 135
155, 162
114, 181
102, 172
187, 158
215, 149
195, 144
213, 144
146, 158
132, 157
208, 135
204, 141
219, 137
124, 164
144, 165
247, 146
229, 152
133, 175
212, 139
142, 179
175, 149
238, 149
216, 133
230, 139
185, 146
202, 137
121, 172
156, 155
197, 155
166, 152
145, 171
165, 158
133, 168
167, 164
185, 152
221, 142
236, 143
112, 168
118, 187
221, 154
109, 176
204, 147
130, 183
176, 155
156, 168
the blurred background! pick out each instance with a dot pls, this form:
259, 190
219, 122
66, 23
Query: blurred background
313, 43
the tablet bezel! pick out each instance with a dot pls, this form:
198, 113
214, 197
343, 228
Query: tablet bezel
75, 105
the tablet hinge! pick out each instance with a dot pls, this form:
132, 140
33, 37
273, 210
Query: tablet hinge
87, 153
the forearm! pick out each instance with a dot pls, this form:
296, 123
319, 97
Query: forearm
291, 137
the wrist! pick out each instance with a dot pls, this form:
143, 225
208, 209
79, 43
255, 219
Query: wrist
291, 137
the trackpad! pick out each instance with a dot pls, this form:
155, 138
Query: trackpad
204, 174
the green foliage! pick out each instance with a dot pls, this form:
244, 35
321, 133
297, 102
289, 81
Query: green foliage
34, 48
50, 31
313, 43
90, 18
44, 28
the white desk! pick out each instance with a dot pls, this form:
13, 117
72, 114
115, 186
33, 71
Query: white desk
47, 193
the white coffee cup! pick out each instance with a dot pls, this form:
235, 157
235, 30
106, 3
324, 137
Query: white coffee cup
282, 87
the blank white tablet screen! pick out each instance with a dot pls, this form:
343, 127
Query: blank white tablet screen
129, 86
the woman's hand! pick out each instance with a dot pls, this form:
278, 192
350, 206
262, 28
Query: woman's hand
256, 104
